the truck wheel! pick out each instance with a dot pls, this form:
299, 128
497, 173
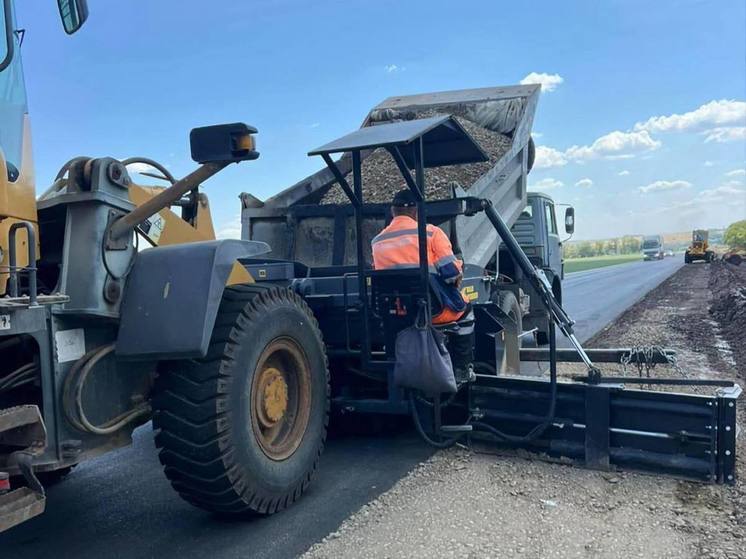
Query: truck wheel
241, 430
531, 154
542, 336
687, 260
508, 303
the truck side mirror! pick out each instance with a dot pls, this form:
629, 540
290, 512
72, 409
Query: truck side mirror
570, 220
223, 143
73, 14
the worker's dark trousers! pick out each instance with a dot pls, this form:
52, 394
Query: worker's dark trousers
461, 345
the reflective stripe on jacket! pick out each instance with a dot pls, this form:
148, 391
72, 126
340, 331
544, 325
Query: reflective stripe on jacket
397, 247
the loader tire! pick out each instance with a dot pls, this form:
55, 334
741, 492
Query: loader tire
241, 431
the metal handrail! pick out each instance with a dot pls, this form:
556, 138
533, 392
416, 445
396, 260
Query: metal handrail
15, 270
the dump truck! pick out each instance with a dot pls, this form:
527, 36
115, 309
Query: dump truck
699, 249
652, 247
310, 221
239, 352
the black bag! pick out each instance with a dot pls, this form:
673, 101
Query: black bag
422, 360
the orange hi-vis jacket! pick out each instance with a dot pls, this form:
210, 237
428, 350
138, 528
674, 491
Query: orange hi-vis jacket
397, 247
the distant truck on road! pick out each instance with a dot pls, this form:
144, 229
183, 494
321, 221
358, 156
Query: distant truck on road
652, 247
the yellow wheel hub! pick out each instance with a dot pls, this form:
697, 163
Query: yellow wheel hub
280, 398
274, 393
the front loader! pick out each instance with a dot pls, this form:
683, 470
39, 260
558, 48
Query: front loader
699, 248
73, 280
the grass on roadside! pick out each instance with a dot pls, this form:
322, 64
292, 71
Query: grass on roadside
582, 264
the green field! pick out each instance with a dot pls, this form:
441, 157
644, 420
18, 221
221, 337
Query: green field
580, 264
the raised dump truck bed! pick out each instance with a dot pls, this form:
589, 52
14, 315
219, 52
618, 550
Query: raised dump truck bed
311, 221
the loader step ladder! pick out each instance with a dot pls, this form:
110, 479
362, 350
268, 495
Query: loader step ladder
21, 427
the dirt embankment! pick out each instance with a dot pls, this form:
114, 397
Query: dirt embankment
463, 504
728, 307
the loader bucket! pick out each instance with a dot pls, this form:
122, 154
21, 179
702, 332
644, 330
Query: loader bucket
22, 436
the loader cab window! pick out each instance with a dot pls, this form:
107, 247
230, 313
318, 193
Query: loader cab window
551, 220
12, 97
6, 44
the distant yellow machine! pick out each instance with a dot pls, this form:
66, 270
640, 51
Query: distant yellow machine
699, 249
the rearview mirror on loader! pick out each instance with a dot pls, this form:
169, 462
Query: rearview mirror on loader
73, 14
223, 143
570, 220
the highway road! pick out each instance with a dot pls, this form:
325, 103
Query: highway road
121, 505
596, 297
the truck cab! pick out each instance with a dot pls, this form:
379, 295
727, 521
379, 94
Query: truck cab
652, 247
537, 233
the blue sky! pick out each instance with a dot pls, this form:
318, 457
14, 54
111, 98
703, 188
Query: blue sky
141, 74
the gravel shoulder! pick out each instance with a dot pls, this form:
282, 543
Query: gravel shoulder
463, 503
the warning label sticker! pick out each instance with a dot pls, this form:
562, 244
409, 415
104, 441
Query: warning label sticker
153, 227
70, 344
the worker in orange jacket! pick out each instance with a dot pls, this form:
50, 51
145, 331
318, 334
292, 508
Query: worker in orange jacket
397, 246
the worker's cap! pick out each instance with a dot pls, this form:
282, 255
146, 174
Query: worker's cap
404, 199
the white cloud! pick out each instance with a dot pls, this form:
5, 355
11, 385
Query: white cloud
722, 135
709, 163
547, 184
391, 68
584, 183
537, 135
715, 113
139, 168
661, 186
728, 189
314, 125
736, 173
230, 229
615, 145
547, 157
549, 82
623, 173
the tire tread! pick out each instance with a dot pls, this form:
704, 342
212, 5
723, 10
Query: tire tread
191, 415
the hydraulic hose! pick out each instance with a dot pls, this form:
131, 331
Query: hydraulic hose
539, 429
73, 396
448, 443
533, 434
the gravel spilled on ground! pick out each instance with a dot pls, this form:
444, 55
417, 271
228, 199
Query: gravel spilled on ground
467, 504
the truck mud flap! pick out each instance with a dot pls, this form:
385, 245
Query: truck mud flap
608, 427
23, 434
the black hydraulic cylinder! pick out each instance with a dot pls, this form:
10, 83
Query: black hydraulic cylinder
561, 318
